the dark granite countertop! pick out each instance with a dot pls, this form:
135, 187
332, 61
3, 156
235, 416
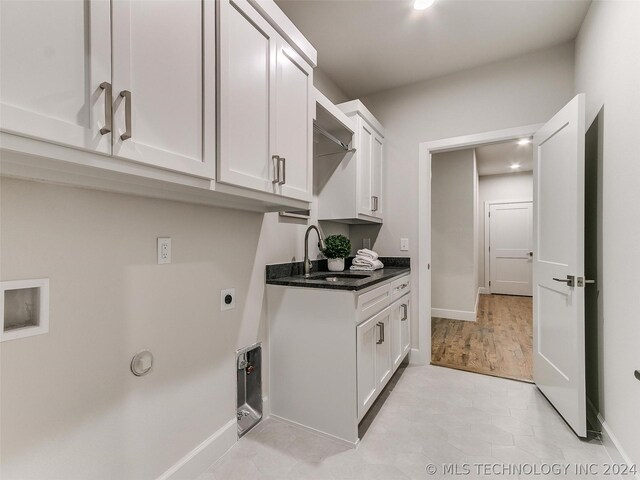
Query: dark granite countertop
290, 275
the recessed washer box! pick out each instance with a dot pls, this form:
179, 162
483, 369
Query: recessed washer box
25, 308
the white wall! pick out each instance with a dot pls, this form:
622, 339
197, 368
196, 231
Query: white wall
510, 186
453, 228
84, 415
323, 83
608, 71
521, 91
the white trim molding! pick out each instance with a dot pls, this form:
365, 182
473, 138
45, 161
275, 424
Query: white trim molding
609, 440
465, 315
426, 151
196, 462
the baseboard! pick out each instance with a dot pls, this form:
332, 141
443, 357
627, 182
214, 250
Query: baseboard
194, 463
415, 358
609, 440
484, 291
266, 407
475, 309
453, 314
339, 440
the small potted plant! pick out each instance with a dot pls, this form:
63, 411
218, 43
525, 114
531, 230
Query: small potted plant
336, 249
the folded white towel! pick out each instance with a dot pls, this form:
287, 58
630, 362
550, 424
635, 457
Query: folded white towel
365, 252
366, 265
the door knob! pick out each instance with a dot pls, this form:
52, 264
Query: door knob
570, 280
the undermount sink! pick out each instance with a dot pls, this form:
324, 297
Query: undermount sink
336, 277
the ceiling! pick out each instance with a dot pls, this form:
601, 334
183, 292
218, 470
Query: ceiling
367, 46
497, 158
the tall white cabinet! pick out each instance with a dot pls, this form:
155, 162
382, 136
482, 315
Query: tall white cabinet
55, 80
352, 192
265, 100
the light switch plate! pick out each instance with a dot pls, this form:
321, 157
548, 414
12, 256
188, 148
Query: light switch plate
164, 250
223, 299
404, 244
366, 243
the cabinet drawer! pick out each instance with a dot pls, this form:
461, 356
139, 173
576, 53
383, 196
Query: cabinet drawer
372, 302
400, 287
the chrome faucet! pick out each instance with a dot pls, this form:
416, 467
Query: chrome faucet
307, 262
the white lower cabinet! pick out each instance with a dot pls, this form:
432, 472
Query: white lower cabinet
332, 352
400, 311
367, 338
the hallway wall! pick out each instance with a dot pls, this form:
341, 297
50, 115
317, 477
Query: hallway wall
520, 91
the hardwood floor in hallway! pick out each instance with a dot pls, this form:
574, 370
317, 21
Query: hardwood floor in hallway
498, 343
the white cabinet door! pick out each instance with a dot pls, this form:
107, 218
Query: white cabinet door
163, 81
376, 175
366, 349
405, 325
294, 122
55, 57
397, 313
247, 80
384, 363
365, 136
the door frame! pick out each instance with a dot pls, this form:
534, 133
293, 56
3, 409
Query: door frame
421, 353
487, 257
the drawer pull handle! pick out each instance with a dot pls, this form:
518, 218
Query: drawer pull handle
405, 312
126, 94
108, 113
402, 287
276, 169
381, 334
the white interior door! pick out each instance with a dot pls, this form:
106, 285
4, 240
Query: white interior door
510, 248
164, 57
56, 71
558, 269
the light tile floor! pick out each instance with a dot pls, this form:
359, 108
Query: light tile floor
434, 416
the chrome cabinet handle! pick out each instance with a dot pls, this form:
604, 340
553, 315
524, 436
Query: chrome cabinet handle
126, 94
570, 280
276, 169
405, 313
402, 287
374, 201
284, 170
108, 109
381, 335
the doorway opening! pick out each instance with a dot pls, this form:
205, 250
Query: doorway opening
481, 258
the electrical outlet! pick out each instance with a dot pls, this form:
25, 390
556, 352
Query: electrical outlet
366, 243
164, 250
227, 299
404, 244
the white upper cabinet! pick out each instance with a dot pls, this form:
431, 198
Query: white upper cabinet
376, 175
294, 122
265, 101
246, 87
350, 185
363, 186
56, 71
209, 101
163, 83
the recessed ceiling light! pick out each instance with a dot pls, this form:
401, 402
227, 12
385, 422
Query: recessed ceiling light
423, 4
515, 166
524, 141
